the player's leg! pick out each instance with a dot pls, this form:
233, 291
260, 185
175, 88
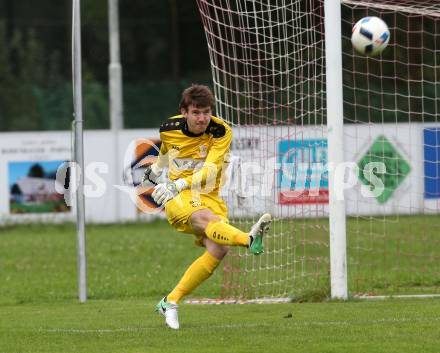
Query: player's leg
203, 267
199, 271
204, 222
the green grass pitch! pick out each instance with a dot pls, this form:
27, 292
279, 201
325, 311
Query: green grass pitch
131, 266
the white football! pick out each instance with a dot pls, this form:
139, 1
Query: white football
370, 36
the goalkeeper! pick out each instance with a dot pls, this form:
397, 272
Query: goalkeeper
195, 146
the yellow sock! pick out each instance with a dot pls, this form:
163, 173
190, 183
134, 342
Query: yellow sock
199, 271
225, 234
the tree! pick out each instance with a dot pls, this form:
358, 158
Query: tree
36, 171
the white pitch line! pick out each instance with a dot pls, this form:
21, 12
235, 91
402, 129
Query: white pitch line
291, 322
104, 330
401, 296
139, 329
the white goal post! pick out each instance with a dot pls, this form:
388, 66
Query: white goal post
301, 101
335, 138
78, 150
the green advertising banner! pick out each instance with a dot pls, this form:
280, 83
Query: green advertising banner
397, 168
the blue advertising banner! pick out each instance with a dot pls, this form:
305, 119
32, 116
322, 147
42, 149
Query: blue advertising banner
303, 176
432, 162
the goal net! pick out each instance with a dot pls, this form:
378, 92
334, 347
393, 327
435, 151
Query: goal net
391, 106
268, 67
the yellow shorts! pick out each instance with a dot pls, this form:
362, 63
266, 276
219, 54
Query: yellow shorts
180, 209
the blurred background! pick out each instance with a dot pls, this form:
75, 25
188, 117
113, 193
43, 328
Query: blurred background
163, 49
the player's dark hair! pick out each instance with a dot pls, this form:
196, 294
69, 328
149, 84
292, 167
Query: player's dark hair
199, 96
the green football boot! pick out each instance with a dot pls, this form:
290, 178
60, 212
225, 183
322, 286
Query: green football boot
257, 232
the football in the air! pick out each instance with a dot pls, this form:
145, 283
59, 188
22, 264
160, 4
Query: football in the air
370, 36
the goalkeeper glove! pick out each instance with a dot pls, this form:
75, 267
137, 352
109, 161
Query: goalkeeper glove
151, 175
167, 191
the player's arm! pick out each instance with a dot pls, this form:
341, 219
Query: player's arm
163, 192
154, 171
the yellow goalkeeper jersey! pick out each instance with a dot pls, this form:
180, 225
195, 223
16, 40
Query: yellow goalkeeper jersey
197, 158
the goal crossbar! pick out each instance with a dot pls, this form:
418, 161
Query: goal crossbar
418, 9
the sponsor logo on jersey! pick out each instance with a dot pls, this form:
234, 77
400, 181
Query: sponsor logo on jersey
196, 203
203, 151
187, 163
